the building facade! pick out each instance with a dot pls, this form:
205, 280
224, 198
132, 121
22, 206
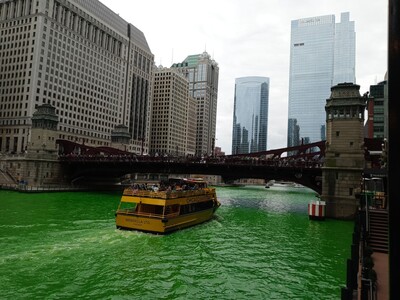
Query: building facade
172, 117
80, 57
202, 73
322, 54
250, 115
344, 161
378, 110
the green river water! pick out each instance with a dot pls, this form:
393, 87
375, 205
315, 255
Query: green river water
259, 245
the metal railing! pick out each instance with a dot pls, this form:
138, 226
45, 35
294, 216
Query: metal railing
42, 188
360, 266
166, 194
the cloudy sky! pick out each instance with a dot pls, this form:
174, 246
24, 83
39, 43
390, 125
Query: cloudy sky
252, 38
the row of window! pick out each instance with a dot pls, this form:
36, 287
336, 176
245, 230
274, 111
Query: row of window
85, 28
79, 69
56, 76
349, 112
16, 9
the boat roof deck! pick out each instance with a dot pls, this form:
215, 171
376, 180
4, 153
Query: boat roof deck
174, 194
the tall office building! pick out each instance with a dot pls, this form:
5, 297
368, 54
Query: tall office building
202, 73
322, 54
378, 110
81, 58
250, 115
173, 122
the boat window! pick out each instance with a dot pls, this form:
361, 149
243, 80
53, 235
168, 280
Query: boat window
150, 209
127, 206
194, 207
172, 209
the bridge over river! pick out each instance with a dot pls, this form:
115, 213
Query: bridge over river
301, 164
333, 168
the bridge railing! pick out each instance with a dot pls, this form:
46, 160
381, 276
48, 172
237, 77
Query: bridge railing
165, 194
298, 162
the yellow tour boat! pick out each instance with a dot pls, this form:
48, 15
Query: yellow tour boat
169, 206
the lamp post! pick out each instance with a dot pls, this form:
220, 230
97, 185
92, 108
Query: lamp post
142, 139
213, 147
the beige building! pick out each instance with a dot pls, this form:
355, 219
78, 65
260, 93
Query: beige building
80, 57
203, 72
173, 120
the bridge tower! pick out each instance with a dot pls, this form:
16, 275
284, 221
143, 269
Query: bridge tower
44, 133
344, 155
120, 138
41, 166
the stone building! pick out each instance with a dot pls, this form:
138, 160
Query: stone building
39, 166
344, 155
83, 59
172, 116
203, 73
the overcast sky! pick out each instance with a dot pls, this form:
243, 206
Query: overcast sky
252, 38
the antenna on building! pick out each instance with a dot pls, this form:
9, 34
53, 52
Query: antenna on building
172, 57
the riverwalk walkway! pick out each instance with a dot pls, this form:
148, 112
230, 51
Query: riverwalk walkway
40, 189
381, 267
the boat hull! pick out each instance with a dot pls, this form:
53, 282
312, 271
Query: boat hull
159, 225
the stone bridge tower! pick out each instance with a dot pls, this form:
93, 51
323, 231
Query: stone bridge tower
44, 133
344, 156
41, 165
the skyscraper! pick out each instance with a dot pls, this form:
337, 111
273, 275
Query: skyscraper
322, 54
250, 115
202, 73
81, 58
173, 118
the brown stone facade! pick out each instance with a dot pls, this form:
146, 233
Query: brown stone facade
344, 156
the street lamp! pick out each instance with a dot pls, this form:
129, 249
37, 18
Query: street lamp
213, 146
142, 139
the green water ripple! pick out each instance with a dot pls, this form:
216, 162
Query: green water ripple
260, 245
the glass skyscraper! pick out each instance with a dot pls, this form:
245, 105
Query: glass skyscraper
250, 115
322, 54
